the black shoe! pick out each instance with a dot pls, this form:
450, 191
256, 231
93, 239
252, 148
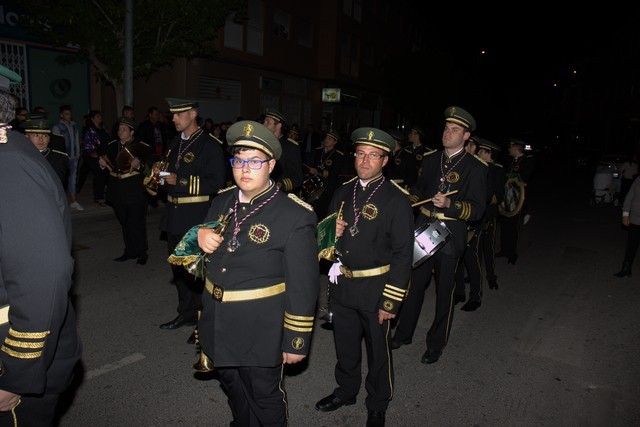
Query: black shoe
626, 270
375, 419
512, 260
500, 254
192, 338
430, 357
471, 306
178, 322
142, 260
332, 402
458, 298
396, 344
123, 257
493, 285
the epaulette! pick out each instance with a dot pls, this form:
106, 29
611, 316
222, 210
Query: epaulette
319, 148
224, 190
340, 152
111, 142
144, 143
395, 184
57, 134
430, 152
301, 202
478, 158
407, 149
61, 152
351, 180
217, 139
529, 155
292, 141
498, 165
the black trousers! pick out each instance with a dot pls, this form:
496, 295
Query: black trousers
90, 164
189, 288
131, 217
470, 262
444, 266
32, 411
509, 230
633, 242
487, 245
349, 327
256, 395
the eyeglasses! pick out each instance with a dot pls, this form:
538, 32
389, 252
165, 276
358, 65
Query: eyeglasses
371, 156
254, 164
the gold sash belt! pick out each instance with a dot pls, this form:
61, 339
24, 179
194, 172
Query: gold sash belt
350, 274
124, 175
222, 295
183, 200
4, 315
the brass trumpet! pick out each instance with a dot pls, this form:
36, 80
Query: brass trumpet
197, 268
203, 364
152, 181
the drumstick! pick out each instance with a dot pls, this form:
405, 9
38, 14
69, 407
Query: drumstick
428, 200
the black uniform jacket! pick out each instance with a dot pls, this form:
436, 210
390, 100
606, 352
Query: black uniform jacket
523, 166
385, 237
409, 161
59, 161
495, 183
467, 175
201, 172
288, 172
329, 165
277, 245
125, 185
40, 344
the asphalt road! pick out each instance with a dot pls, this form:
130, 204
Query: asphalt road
556, 345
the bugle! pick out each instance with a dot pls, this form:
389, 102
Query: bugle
154, 179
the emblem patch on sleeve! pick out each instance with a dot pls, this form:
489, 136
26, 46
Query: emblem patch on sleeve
387, 305
297, 343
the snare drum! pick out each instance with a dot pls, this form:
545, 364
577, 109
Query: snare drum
312, 188
429, 238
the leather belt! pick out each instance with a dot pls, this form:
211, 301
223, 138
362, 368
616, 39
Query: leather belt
351, 274
124, 175
220, 294
4, 315
183, 200
438, 215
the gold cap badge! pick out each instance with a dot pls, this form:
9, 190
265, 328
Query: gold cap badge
247, 130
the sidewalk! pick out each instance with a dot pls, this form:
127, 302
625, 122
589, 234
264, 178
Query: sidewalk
91, 208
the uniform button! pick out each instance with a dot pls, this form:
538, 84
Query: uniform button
223, 270
244, 208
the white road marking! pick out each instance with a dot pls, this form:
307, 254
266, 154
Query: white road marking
135, 357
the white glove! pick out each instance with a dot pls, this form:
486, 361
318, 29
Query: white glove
334, 272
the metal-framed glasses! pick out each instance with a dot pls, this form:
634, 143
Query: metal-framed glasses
254, 164
371, 156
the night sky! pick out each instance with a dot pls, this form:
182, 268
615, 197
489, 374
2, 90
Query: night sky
510, 89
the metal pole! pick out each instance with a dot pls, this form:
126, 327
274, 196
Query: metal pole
128, 53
